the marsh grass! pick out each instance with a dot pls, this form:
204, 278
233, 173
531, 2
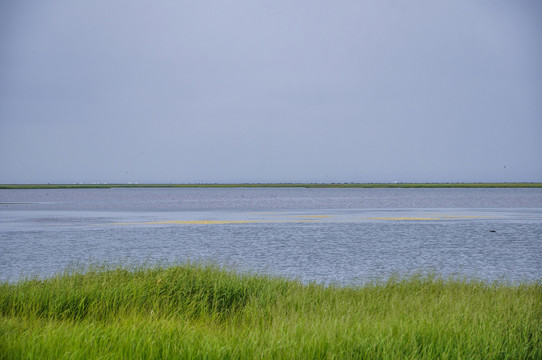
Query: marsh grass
194, 311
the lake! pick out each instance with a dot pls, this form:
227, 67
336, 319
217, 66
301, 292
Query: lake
343, 236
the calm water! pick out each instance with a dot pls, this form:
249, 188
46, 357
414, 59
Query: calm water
326, 235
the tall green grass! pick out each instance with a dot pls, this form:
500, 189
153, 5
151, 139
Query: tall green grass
205, 312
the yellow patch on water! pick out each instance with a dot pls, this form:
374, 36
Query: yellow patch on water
198, 222
210, 222
312, 216
402, 218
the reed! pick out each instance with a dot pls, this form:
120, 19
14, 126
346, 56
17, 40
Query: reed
192, 311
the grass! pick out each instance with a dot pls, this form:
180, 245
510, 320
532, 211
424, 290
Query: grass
205, 312
302, 185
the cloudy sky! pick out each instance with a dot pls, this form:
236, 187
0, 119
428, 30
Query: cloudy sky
270, 91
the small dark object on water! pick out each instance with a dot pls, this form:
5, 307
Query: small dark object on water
492, 230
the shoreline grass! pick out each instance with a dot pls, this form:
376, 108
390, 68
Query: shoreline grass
195, 311
276, 185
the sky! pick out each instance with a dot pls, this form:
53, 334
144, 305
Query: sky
270, 91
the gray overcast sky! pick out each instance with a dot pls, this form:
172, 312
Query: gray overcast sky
270, 91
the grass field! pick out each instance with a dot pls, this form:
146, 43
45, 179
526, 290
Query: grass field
302, 185
205, 312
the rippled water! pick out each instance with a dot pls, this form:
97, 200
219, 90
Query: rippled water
325, 235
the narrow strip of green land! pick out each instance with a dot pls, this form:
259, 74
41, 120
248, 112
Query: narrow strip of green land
277, 185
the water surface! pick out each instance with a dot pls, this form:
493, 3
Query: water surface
326, 235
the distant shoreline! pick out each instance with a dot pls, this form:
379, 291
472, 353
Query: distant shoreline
277, 185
